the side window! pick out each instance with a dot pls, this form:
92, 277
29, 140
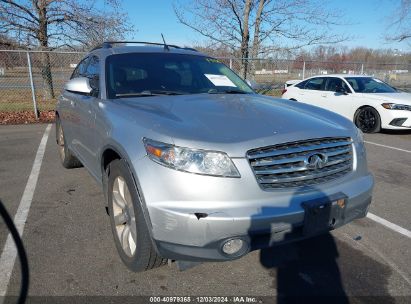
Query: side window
353, 83
93, 68
333, 84
93, 72
301, 85
315, 84
80, 69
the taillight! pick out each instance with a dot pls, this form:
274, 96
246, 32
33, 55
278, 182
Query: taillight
283, 91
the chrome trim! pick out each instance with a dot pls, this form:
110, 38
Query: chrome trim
302, 178
297, 150
303, 168
288, 165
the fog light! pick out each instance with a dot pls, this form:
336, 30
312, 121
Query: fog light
233, 246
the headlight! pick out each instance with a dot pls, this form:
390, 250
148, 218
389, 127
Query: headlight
191, 160
395, 106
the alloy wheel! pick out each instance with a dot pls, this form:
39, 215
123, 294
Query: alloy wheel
60, 142
124, 216
366, 120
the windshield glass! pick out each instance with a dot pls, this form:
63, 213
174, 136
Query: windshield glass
369, 85
148, 74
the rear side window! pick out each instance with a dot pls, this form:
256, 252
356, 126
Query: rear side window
315, 84
301, 85
80, 70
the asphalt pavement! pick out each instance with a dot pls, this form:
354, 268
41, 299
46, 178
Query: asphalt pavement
71, 251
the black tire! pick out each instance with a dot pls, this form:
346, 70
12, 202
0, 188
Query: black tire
145, 256
368, 120
68, 160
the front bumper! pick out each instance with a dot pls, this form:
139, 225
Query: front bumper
259, 233
395, 119
191, 216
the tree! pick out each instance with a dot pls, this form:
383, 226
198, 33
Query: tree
50, 24
260, 26
400, 27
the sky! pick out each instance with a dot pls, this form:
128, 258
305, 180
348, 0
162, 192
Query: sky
367, 21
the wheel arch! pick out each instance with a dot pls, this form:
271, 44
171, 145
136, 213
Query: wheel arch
362, 107
379, 126
111, 153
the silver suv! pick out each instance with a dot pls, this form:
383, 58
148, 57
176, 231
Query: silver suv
195, 166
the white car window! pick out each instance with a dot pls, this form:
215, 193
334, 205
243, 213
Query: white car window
333, 84
369, 85
315, 84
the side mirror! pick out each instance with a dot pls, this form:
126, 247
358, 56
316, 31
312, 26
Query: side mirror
80, 85
341, 90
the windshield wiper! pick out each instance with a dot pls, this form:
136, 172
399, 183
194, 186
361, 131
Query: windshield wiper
167, 92
147, 93
141, 94
214, 91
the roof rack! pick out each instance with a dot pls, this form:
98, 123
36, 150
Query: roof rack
109, 44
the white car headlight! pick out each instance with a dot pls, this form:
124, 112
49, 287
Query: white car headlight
395, 106
191, 160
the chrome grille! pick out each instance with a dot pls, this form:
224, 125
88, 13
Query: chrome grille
301, 163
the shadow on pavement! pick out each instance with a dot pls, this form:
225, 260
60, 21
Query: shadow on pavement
313, 269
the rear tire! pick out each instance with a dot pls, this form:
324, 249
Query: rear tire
68, 160
130, 231
368, 120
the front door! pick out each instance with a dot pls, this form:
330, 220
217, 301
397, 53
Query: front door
87, 107
337, 97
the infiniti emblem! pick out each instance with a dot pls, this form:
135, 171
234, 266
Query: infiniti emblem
316, 161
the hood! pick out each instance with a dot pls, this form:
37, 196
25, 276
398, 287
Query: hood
400, 97
231, 123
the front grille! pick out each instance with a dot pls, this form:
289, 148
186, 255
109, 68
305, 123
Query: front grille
288, 165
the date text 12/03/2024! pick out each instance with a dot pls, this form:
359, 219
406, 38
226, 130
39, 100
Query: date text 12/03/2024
205, 299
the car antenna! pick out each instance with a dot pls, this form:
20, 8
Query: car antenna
165, 44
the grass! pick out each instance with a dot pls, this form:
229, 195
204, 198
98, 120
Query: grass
16, 100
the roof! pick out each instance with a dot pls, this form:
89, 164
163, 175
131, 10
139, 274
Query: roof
142, 47
340, 75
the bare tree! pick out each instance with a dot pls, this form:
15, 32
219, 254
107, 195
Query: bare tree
400, 27
49, 24
260, 26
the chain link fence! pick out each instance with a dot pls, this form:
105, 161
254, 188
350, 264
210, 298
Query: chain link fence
270, 75
32, 80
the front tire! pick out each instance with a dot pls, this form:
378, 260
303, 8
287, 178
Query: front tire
68, 160
368, 120
130, 231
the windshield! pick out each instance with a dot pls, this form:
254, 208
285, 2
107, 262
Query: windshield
149, 74
369, 85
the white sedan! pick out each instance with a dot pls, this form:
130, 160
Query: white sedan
369, 102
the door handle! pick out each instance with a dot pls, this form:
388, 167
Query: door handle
323, 95
72, 103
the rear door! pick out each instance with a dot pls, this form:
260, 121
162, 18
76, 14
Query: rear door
311, 93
